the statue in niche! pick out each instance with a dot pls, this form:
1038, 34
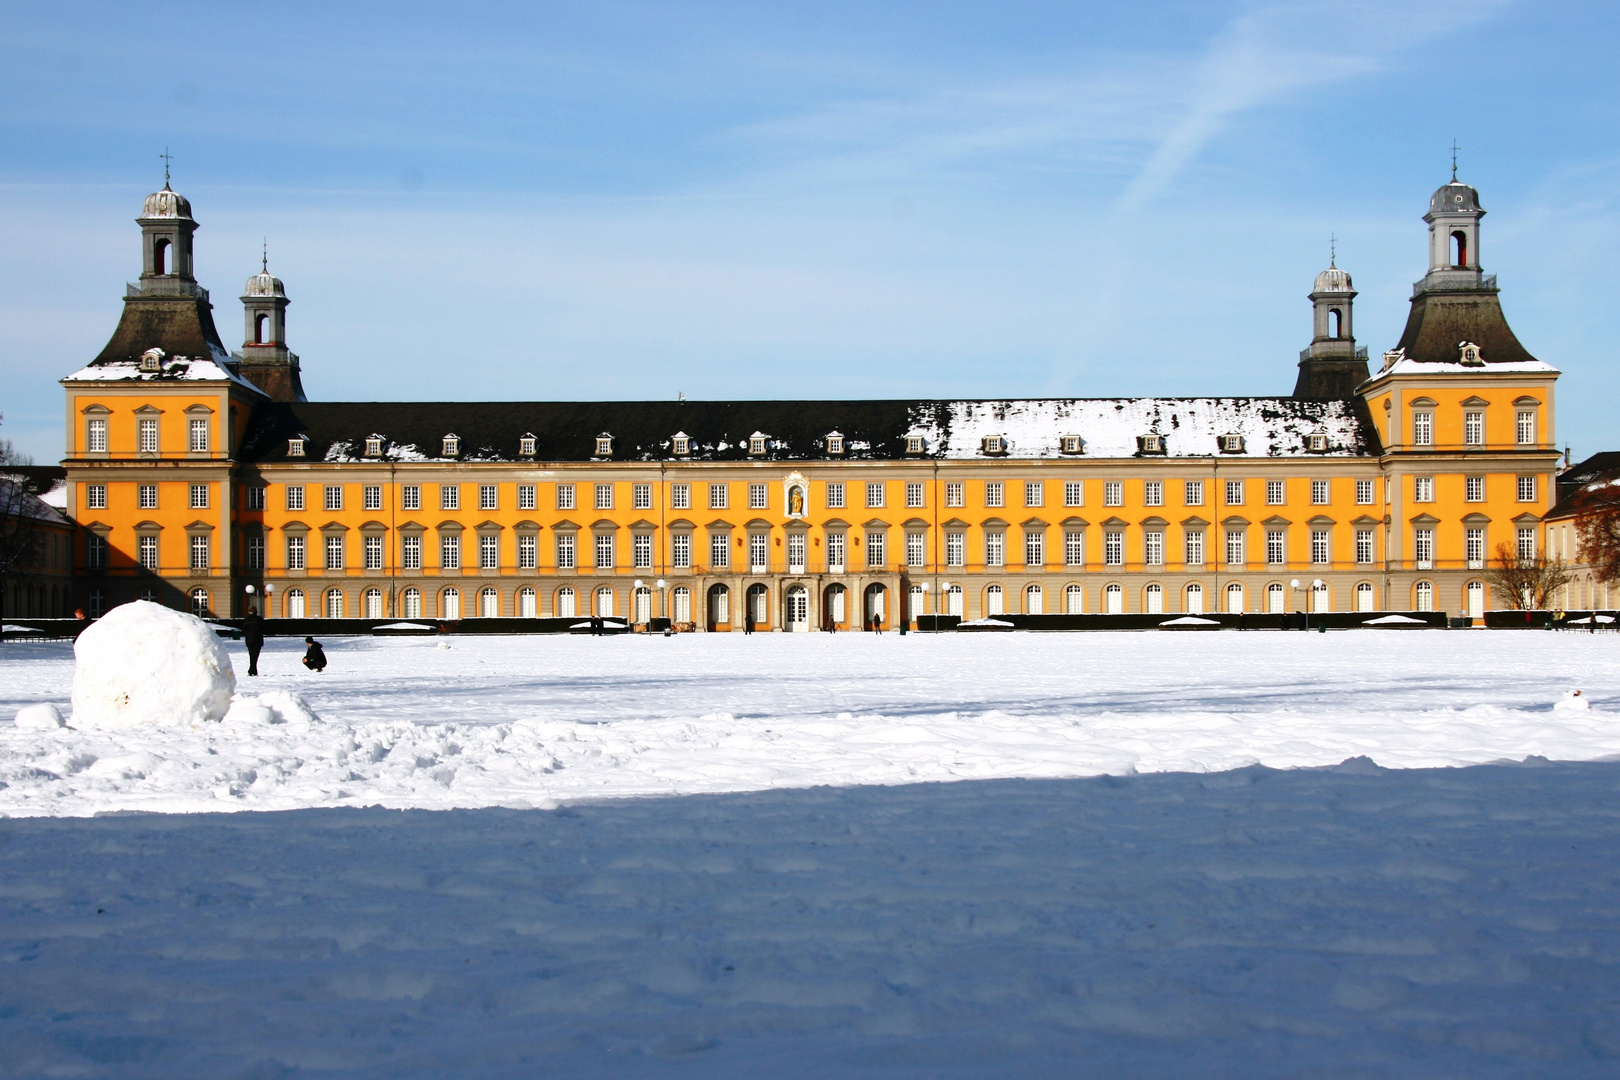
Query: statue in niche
796, 501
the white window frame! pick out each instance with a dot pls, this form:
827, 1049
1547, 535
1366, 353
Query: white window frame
1074, 493
605, 551
489, 551
1321, 493
1423, 427
1474, 548
199, 496
1473, 489
528, 545
332, 550
758, 497
1193, 490
1366, 493
916, 549
995, 548
995, 494
1035, 547
1234, 493
1321, 547
1236, 546
371, 496
1114, 547
719, 496
680, 550
567, 551
1074, 547
450, 551
146, 435
955, 493
197, 435
1524, 428
915, 494
1423, 489
410, 553
1153, 493
1366, 547
1193, 547
489, 497
565, 497
410, 497
1034, 494
1473, 428
1525, 488
1153, 547
449, 496
331, 497
95, 435
835, 495
641, 496
1276, 547
680, 496
955, 548
371, 552
200, 554
95, 496
603, 496
720, 550
1113, 493
641, 545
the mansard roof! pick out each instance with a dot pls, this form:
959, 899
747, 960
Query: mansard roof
1442, 319
872, 430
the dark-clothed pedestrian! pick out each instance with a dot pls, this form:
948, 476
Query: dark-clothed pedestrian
314, 655
253, 638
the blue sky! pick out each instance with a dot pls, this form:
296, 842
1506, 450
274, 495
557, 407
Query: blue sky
613, 200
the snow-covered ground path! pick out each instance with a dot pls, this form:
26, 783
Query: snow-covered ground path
534, 721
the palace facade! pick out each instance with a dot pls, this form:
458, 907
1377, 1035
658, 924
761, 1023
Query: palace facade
204, 478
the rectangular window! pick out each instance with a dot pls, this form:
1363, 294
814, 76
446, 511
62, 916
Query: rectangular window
295, 497
1074, 548
95, 552
1195, 492
1153, 493
334, 552
994, 493
758, 497
641, 496
295, 553
199, 552
334, 497
1423, 548
253, 496
146, 429
146, 551
1276, 547
565, 496
1234, 493
371, 497
914, 495
1476, 549
835, 552
955, 549
916, 549
489, 551
835, 496
1034, 493
1474, 428
1153, 548
450, 551
410, 497
410, 553
1423, 489
796, 544
1527, 489
719, 551
1320, 493
719, 496
1113, 548
604, 496
1074, 493
528, 551
1321, 552
199, 496
1527, 427
1276, 493
371, 548
995, 549
1364, 546
1474, 489
1527, 543
604, 551
953, 493
489, 496
255, 553
874, 496
1422, 428
1113, 493
758, 552
95, 435
1195, 548
1034, 548
199, 437
1234, 547
680, 550
641, 545
1364, 492
526, 499
449, 497
680, 496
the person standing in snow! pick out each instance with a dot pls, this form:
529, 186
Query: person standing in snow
253, 638
314, 655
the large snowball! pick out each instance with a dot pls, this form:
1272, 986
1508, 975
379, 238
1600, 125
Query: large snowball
145, 664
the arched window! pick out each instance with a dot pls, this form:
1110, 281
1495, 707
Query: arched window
261, 327
565, 603
1195, 599
682, 605
450, 604
1335, 317
1234, 598
1114, 599
528, 603
1034, 601
1475, 595
334, 603
1425, 595
1321, 597
294, 602
1365, 597
954, 601
604, 601
489, 604
994, 600
1153, 599
411, 604
373, 603
643, 602
160, 256
1276, 599
1074, 600
1459, 248
199, 603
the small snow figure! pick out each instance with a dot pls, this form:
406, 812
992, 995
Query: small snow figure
314, 656
1573, 701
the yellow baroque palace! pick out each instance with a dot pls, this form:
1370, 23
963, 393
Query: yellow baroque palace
204, 478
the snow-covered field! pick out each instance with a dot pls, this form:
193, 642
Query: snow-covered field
1056, 912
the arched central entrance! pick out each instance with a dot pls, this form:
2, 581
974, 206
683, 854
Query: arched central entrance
798, 609
719, 608
758, 612
874, 610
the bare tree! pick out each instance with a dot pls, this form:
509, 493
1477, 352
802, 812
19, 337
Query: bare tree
9, 454
19, 532
1528, 584
1598, 526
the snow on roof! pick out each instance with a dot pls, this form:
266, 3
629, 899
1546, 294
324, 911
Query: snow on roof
1430, 367
1110, 427
174, 369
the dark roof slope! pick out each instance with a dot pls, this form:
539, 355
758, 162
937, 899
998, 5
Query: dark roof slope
1585, 472
179, 325
1440, 322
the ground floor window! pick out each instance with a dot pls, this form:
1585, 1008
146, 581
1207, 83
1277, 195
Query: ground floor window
993, 600
411, 604
1153, 600
1195, 599
643, 600
1114, 599
98, 603
604, 601
528, 603
1074, 600
682, 605
1475, 594
1276, 599
953, 600
374, 603
199, 602
450, 604
489, 604
565, 603
1365, 598
334, 603
918, 601
1234, 598
1035, 600
1425, 595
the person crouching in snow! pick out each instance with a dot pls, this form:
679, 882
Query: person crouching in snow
314, 656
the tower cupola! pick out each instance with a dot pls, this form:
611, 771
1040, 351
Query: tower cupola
264, 359
1453, 218
166, 231
1332, 366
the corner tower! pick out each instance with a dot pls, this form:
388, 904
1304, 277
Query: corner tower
265, 360
1332, 366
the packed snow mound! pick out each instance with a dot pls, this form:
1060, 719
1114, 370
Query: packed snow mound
271, 707
1572, 702
41, 717
144, 665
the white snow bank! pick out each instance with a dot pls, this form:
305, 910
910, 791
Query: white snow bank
1394, 620
271, 707
143, 664
994, 624
1190, 620
41, 717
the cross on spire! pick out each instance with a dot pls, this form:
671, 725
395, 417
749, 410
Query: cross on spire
1454, 149
264, 256
1333, 251
167, 157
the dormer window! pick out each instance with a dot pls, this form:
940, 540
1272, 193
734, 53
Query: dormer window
295, 446
757, 443
604, 445
1470, 354
1316, 442
914, 444
526, 445
1071, 444
835, 443
152, 360
452, 446
1231, 444
681, 444
1150, 444
374, 446
993, 444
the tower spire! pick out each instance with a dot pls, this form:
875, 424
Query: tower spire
167, 157
1333, 251
264, 257
1454, 149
